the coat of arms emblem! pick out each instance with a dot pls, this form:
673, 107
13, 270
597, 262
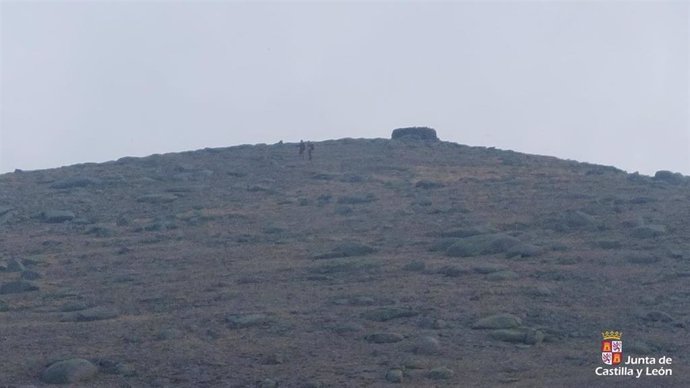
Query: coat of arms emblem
612, 347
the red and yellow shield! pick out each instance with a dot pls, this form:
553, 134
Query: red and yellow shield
612, 348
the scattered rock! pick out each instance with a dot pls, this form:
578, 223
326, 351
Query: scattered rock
428, 185
18, 286
388, 313
347, 327
452, 271
572, 220
427, 345
74, 182
356, 199
57, 216
5, 209
609, 244
30, 275
15, 265
100, 231
415, 133
502, 275
347, 249
523, 250
498, 321
642, 258
274, 359
356, 301
465, 232
482, 245
432, 323
69, 371
4, 306
658, 316
415, 266
157, 198
384, 338
241, 321
73, 306
94, 314
648, 231
169, 333
116, 368
488, 268
518, 335
541, 291
268, 383
394, 375
440, 373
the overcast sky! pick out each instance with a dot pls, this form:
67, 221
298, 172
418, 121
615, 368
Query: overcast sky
602, 82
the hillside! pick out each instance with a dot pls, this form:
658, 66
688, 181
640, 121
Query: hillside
378, 260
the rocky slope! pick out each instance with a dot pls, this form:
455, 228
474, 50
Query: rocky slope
378, 262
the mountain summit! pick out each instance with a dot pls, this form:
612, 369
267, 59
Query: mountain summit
379, 261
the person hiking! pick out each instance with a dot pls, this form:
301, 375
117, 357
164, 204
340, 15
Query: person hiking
301, 148
310, 149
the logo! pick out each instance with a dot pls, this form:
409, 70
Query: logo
612, 347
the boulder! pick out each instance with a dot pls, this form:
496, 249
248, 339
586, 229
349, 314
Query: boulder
415, 133
486, 244
57, 216
669, 177
69, 371
498, 321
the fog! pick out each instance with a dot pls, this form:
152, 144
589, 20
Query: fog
602, 82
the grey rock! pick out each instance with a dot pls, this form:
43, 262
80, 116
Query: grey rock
30, 275
415, 266
268, 383
415, 133
15, 265
482, 245
69, 371
509, 335
98, 313
5, 209
519, 335
523, 250
669, 177
641, 258
57, 216
241, 321
440, 373
648, 231
347, 327
168, 334
356, 199
73, 306
384, 338
498, 321
424, 184
74, 182
4, 306
394, 375
427, 345
658, 316
18, 286
452, 271
388, 313
157, 198
502, 275
347, 249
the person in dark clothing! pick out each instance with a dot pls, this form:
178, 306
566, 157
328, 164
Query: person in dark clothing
301, 148
310, 149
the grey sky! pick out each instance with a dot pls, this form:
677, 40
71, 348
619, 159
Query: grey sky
602, 82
